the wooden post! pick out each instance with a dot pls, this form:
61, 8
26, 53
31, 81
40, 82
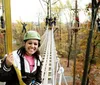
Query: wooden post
8, 25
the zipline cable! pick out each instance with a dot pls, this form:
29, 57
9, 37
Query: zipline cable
42, 6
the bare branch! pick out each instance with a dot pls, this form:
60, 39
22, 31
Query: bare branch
55, 2
45, 1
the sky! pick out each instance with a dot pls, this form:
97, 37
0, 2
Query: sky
31, 10
26, 10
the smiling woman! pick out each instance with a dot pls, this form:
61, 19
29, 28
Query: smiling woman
23, 66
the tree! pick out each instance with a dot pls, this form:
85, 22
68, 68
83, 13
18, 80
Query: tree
95, 6
70, 48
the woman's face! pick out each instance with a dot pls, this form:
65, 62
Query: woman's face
31, 46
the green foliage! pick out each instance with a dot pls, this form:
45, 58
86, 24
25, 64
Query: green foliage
68, 3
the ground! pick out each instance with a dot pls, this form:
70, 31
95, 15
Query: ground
68, 71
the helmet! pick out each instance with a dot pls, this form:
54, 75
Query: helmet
31, 35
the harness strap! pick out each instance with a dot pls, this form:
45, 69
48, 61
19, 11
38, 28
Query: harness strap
22, 68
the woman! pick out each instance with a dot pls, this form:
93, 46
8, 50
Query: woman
27, 59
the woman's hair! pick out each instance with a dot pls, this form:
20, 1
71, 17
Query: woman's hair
38, 42
21, 51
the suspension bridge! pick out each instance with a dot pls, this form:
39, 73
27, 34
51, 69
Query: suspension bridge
52, 69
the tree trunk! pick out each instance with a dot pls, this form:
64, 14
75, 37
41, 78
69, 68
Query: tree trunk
70, 48
94, 13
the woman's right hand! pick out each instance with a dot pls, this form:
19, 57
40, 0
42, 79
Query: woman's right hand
9, 60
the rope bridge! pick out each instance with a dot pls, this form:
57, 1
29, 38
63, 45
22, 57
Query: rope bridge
52, 71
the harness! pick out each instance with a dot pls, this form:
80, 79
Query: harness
26, 77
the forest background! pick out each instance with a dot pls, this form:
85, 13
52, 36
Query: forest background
65, 41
